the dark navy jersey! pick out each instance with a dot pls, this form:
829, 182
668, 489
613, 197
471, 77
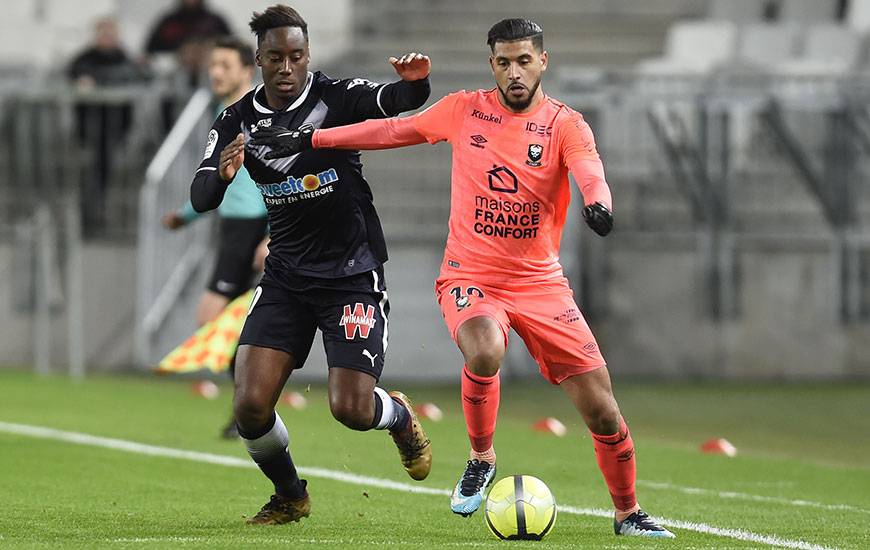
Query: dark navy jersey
322, 219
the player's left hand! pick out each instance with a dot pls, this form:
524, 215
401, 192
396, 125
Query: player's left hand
172, 221
599, 218
412, 66
283, 142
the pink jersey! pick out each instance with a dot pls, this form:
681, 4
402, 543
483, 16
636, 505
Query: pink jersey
509, 182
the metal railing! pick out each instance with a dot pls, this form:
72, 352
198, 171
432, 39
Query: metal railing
166, 260
702, 136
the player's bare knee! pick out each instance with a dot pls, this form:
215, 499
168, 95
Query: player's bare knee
355, 413
603, 419
250, 412
485, 361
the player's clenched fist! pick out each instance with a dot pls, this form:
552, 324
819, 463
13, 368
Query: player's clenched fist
599, 218
232, 157
412, 66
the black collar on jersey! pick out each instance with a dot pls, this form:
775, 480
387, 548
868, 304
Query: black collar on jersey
260, 108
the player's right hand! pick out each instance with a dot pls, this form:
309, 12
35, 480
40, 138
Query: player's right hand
599, 218
232, 158
281, 141
172, 221
412, 66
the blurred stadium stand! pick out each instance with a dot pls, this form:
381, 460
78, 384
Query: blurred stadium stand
735, 134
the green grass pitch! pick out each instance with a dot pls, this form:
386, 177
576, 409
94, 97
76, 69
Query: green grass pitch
801, 478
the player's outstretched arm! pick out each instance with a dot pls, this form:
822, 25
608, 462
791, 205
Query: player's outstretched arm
437, 123
388, 133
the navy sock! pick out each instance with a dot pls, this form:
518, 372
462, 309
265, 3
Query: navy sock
269, 449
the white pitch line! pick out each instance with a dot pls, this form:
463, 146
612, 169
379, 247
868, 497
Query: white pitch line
739, 534
223, 460
297, 541
746, 496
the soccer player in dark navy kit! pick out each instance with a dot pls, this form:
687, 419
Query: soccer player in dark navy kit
326, 254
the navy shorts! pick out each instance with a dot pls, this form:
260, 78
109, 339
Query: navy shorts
351, 313
238, 239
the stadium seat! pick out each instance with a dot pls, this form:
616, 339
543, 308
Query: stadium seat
829, 50
808, 11
738, 11
858, 16
17, 45
20, 11
764, 45
693, 47
80, 15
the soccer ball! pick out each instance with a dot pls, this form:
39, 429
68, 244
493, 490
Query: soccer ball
520, 508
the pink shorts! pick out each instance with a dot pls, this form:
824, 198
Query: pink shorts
544, 315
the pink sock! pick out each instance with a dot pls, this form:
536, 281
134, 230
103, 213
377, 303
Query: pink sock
480, 395
615, 454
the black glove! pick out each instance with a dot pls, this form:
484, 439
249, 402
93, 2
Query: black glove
599, 218
283, 142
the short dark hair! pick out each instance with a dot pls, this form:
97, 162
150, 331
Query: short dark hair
275, 17
246, 53
512, 30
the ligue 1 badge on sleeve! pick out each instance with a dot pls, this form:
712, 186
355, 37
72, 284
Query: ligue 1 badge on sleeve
536, 151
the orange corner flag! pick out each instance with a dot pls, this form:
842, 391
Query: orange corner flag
213, 345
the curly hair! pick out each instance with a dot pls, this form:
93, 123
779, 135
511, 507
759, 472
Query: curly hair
275, 17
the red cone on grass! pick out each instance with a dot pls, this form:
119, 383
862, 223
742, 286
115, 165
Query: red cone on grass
294, 400
429, 411
550, 425
205, 388
719, 446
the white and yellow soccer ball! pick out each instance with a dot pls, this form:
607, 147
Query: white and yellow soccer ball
520, 508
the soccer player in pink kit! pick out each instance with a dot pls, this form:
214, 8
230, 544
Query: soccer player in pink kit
513, 147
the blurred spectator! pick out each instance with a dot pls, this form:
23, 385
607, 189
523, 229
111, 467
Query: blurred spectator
187, 32
101, 122
104, 62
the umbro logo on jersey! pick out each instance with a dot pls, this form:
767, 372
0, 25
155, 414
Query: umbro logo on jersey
536, 151
478, 140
